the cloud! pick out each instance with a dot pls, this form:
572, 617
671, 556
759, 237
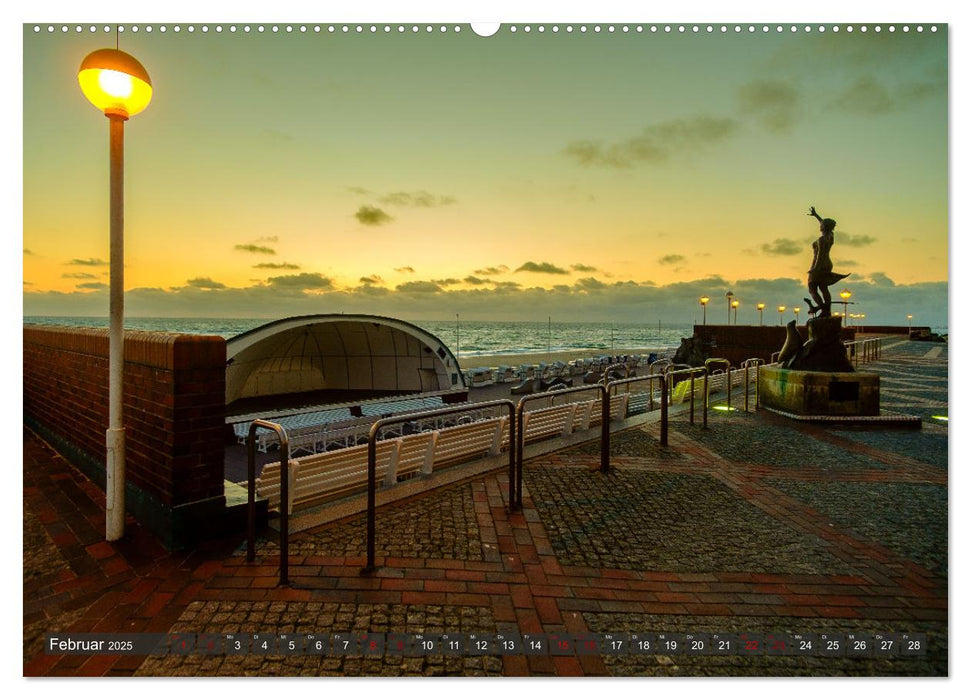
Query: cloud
580, 267
544, 267
773, 104
507, 286
205, 283
88, 262
589, 284
670, 259
476, 280
845, 263
92, 285
783, 246
854, 241
419, 198
418, 287
869, 97
371, 279
360, 190
79, 276
253, 248
305, 280
492, 270
405, 269
655, 144
446, 282
373, 216
881, 280
635, 302
276, 266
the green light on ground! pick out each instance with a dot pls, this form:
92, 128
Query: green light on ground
943, 418
723, 408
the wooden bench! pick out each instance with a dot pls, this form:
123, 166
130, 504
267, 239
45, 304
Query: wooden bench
464, 442
331, 475
546, 423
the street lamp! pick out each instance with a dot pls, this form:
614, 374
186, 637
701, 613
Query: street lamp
795, 310
729, 296
735, 307
845, 296
781, 309
704, 310
760, 306
118, 85
910, 317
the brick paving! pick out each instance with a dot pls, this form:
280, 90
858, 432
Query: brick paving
722, 531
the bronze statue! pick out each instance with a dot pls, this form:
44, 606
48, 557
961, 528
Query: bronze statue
821, 275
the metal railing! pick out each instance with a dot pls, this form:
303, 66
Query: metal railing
692, 372
604, 430
610, 368
870, 349
728, 382
650, 389
284, 495
372, 459
747, 365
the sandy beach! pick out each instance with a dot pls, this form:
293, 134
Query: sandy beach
537, 357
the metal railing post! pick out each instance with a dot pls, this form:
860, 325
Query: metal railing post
372, 459
728, 382
664, 411
704, 413
284, 495
604, 430
251, 496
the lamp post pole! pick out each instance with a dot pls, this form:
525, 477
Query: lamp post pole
729, 296
761, 307
115, 437
119, 86
735, 307
781, 310
704, 311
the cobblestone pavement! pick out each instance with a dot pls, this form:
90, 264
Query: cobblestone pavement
721, 531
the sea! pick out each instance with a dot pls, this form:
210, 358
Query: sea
465, 338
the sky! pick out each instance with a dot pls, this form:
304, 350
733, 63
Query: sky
615, 175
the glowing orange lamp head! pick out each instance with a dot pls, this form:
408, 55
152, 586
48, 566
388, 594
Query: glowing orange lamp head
115, 82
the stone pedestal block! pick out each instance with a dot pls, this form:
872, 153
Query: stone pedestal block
820, 393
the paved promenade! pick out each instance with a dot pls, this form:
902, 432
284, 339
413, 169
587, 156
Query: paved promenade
757, 525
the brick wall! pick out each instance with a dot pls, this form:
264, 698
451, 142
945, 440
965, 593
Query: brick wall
739, 343
174, 408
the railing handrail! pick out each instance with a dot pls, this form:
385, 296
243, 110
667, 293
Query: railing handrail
728, 385
284, 494
604, 428
617, 365
692, 372
372, 460
664, 398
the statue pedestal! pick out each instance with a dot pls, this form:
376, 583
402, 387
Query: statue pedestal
808, 393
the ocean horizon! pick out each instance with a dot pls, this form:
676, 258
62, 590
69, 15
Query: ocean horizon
465, 339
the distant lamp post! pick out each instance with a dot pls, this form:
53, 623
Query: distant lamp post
729, 296
781, 311
910, 318
118, 85
735, 308
760, 306
845, 296
704, 310
795, 310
